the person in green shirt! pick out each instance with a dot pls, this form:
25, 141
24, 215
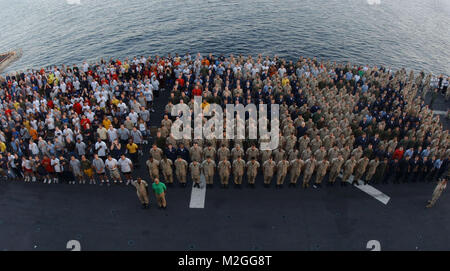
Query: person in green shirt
160, 192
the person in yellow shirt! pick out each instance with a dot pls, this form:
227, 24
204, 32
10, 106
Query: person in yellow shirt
106, 123
2, 147
205, 106
27, 125
133, 152
285, 81
115, 101
51, 78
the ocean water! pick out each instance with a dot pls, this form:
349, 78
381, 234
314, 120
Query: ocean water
414, 34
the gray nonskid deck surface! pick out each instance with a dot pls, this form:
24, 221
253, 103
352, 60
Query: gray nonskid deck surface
45, 217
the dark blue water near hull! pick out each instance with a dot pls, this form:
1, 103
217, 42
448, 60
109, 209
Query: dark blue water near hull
400, 33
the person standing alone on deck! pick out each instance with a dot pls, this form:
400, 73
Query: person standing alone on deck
440, 187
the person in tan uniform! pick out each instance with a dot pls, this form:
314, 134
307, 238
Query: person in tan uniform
282, 170
360, 169
306, 154
265, 155
278, 155
315, 144
209, 151
167, 170
349, 166
252, 171
320, 154
293, 154
156, 153
224, 168
310, 166
268, 171
181, 167
223, 153
209, 167
195, 170
303, 142
153, 167
335, 168
252, 152
291, 141
321, 171
237, 151
372, 167
142, 192
166, 122
296, 167
440, 187
238, 171
196, 153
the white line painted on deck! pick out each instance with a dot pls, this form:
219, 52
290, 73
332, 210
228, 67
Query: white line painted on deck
439, 112
377, 194
198, 194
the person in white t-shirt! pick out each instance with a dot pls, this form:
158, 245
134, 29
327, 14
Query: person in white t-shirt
58, 170
33, 147
126, 166
27, 169
100, 148
112, 166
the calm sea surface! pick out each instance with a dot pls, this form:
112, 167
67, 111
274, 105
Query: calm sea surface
400, 33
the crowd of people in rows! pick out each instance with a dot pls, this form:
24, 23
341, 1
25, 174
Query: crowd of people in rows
337, 122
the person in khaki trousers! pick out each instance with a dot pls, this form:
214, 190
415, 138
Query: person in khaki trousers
142, 192
310, 166
296, 166
252, 171
195, 169
269, 167
153, 167
349, 166
181, 168
360, 169
167, 170
321, 171
238, 171
335, 168
372, 167
282, 169
209, 167
160, 192
440, 187
224, 167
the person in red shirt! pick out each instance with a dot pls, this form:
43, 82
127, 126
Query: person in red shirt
50, 104
84, 122
77, 108
197, 91
398, 153
8, 112
180, 81
46, 162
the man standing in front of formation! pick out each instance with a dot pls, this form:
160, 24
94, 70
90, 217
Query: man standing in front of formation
142, 192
